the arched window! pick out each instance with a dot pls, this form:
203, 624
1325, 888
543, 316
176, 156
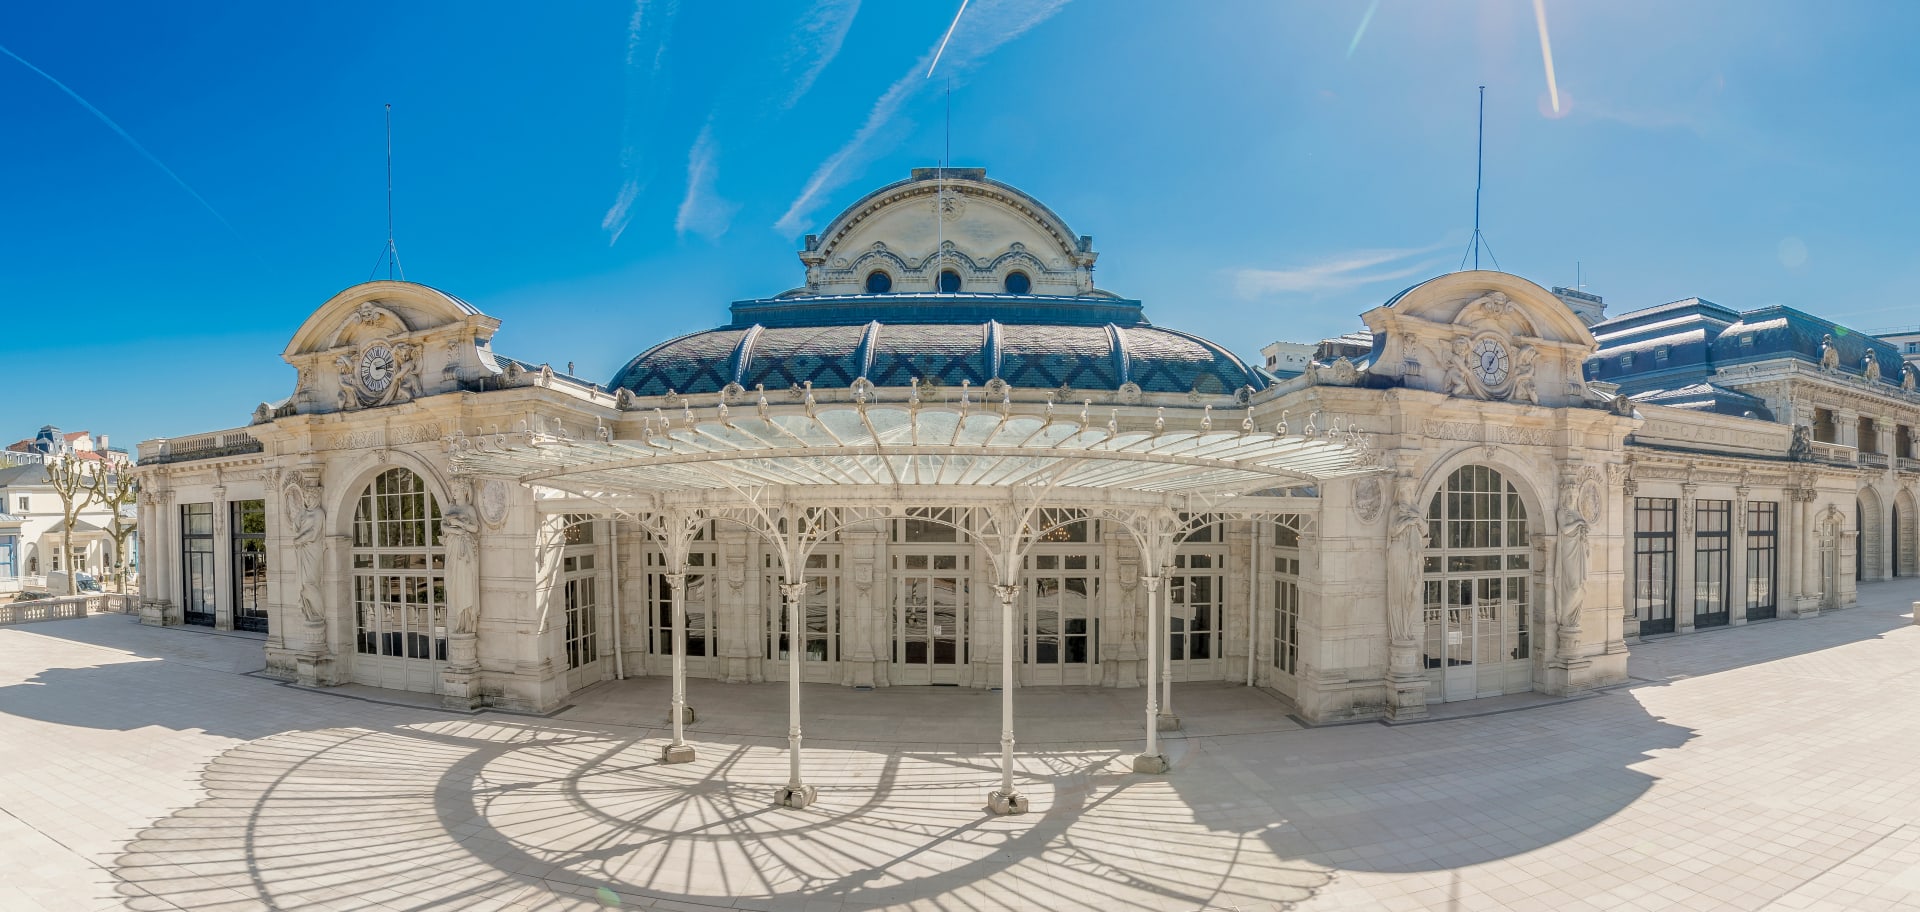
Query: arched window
399, 571
1018, 283
949, 281
1478, 585
878, 282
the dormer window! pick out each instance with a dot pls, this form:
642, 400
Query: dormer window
1746, 340
1018, 283
1626, 361
949, 281
1660, 354
878, 282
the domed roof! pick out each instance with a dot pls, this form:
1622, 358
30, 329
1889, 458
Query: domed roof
1030, 342
947, 276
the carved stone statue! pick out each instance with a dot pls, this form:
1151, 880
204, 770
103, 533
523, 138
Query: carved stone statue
1524, 389
1801, 449
1571, 580
309, 525
1870, 367
1906, 378
460, 524
1406, 546
1829, 353
1456, 377
348, 397
1496, 310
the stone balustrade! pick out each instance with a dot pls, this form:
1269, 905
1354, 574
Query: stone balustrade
1835, 452
67, 606
200, 446
1874, 460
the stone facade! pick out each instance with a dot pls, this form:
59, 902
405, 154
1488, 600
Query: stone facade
1490, 477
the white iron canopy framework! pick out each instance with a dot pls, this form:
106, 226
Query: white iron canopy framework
896, 448
795, 478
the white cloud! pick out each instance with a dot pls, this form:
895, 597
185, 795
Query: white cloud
988, 25
703, 211
643, 30
1347, 270
817, 42
618, 216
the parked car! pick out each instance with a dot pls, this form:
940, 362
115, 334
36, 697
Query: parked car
84, 582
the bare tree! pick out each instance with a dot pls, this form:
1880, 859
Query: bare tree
117, 490
73, 482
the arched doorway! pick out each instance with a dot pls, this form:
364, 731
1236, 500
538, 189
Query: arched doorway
1478, 588
399, 585
1904, 562
1870, 552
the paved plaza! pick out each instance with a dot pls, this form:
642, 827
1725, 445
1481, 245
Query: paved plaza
1766, 767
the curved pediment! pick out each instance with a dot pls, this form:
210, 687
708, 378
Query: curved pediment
378, 310
952, 218
384, 343
1483, 335
1483, 300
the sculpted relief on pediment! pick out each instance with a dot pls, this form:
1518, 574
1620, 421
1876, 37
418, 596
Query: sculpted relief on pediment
1458, 336
385, 343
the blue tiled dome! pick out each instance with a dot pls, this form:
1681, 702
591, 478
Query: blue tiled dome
1029, 341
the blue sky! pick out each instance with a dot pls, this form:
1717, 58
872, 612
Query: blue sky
604, 175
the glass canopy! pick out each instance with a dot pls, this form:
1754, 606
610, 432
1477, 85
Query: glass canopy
894, 446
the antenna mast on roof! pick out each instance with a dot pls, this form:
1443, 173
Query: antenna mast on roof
391, 253
940, 193
1479, 170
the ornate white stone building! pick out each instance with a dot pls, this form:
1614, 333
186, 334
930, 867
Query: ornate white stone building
950, 459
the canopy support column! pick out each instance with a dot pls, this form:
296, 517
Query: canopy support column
1167, 721
794, 794
1006, 800
1153, 761
679, 751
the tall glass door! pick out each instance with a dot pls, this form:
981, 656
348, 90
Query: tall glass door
1478, 588
931, 601
1061, 628
820, 614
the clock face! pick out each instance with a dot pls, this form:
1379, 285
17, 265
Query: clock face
376, 369
1489, 360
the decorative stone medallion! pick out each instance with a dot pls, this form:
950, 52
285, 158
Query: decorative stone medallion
493, 502
1590, 501
1368, 498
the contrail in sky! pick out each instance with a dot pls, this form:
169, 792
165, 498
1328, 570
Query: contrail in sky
123, 135
1546, 52
1362, 30
943, 42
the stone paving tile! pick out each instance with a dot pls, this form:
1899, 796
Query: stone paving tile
1768, 766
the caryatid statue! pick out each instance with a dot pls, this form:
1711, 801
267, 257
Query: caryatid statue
460, 524
1571, 578
309, 525
1406, 553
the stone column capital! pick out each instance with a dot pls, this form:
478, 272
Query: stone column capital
1152, 582
1007, 593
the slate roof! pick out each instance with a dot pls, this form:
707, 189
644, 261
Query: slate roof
1029, 341
29, 473
1706, 397
1680, 345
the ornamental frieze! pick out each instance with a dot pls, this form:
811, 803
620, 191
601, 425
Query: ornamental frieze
1481, 433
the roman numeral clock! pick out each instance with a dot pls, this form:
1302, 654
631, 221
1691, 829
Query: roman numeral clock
1490, 363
